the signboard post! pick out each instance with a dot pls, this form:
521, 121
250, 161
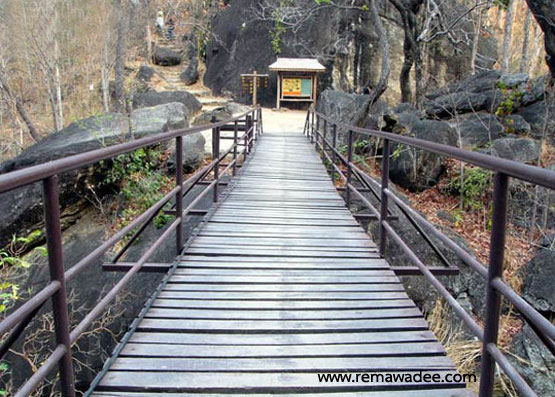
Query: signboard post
250, 84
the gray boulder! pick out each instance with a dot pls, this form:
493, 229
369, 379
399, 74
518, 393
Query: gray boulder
516, 124
523, 150
165, 56
450, 105
540, 117
20, 209
193, 152
513, 80
538, 287
145, 73
480, 129
235, 108
154, 98
170, 116
479, 82
190, 75
416, 169
219, 114
533, 361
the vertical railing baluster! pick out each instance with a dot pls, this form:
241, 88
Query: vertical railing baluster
383, 208
248, 126
312, 124
261, 121
349, 168
179, 193
235, 143
333, 155
56, 267
316, 130
216, 156
324, 136
495, 270
246, 141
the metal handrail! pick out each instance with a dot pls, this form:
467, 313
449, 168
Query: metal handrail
48, 173
496, 287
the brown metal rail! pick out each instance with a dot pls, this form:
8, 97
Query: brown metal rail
12, 327
492, 275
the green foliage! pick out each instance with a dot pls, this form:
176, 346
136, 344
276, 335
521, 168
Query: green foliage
475, 187
361, 146
510, 103
504, 4
279, 27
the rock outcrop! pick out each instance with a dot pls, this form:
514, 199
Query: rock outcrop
165, 56
154, 98
20, 209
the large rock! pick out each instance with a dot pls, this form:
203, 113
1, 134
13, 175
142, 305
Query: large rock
154, 98
523, 150
541, 120
193, 152
190, 75
516, 124
533, 361
450, 105
145, 73
480, 82
480, 129
416, 169
538, 287
219, 114
165, 56
20, 209
170, 116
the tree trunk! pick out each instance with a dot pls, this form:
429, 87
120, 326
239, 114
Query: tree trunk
476, 39
404, 78
525, 60
19, 107
58, 82
120, 58
507, 36
386, 63
544, 12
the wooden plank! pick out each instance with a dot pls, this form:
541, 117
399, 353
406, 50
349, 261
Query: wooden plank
253, 382
280, 339
317, 273
257, 326
290, 365
283, 305
290, 351
282, 315
216, 279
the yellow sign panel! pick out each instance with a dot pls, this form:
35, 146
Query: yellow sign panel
292, 87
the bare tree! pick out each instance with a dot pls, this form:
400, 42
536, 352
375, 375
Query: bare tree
525, 59
507, 36
120, 56
5, 88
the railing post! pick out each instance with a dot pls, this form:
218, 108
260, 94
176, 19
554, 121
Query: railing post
385, 183
248, 126
179, 194
333, 155
349, 168
312, 125
495, 270
235, 143
56, 266
315, 132
216, 156
246, 140
260, 121
324, 136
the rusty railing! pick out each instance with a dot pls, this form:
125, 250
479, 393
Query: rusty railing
13, 325
318, 126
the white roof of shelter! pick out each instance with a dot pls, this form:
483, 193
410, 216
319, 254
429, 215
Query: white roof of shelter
297, 65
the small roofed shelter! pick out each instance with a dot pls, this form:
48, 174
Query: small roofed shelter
297, 79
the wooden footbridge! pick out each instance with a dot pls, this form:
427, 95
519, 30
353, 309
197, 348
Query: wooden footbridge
279, 288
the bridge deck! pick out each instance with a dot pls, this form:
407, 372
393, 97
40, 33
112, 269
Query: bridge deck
280, 285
